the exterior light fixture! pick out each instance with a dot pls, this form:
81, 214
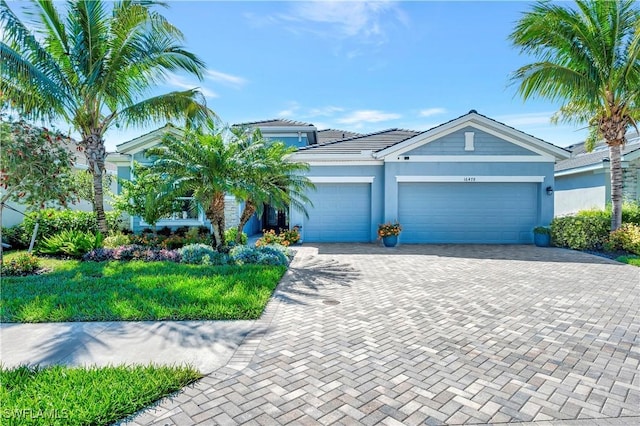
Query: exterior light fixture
549, 190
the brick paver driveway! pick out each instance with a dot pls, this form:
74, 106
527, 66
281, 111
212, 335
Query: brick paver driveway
359, 334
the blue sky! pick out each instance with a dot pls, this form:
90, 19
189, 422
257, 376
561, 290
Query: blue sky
359, 66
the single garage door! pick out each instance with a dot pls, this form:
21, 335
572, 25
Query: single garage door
494, 213
341, 212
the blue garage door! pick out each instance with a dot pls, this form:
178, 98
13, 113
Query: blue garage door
493, 213
341, 212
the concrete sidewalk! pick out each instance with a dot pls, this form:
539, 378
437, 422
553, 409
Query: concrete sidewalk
206, 345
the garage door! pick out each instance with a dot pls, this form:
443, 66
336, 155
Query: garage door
341, 212
494, 213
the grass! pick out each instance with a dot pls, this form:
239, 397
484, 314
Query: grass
631, 260
84, 396
136, 290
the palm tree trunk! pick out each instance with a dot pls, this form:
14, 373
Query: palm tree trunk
96, 154
215, 214
249, 210
616, 184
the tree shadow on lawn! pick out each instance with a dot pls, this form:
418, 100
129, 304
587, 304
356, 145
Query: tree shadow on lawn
306, 279
470, 251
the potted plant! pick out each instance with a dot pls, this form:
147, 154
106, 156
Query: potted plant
389, 232
542, 236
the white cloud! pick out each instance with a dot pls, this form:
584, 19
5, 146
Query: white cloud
324, 111
526, 119
290, 110
368, 116
432, 111
224, 78
339, 19
179, 82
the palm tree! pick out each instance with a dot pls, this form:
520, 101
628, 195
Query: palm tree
589, 58
270, 177
92, 69
204, 166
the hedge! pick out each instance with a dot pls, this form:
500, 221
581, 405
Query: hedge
54, 221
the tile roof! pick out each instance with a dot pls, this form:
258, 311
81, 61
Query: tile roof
581, 158
332, 135
355, 145
600, 153
276, 122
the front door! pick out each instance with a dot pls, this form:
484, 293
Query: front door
274, 219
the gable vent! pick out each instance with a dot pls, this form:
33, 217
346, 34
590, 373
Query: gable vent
468, 141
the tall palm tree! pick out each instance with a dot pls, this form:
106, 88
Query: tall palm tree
589, 58
206, 166
270, 177
92, 68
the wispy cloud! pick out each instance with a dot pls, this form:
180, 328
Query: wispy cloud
368, 116
324, 111
366, 21
179, 82
290, 110
526, 119
224, 78
431, 111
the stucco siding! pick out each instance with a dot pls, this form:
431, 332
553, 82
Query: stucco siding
483, 144
580, 191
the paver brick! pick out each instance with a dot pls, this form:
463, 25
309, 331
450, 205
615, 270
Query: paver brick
433, 335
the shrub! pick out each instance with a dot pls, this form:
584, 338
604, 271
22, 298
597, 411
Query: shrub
54, 221
230, 236
71, 243
202, 254
542, 230
588, 230
22, 264
14, 236
132, 252
173, 242
627, 238
116, 240
244, 254
284, 238
265, 255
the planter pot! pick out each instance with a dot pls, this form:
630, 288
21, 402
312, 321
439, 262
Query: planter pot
542, 240
390, 241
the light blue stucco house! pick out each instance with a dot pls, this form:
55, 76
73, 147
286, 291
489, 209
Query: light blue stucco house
469, 180
584, 180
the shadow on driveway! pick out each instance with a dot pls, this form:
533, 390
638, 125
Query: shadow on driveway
470, 251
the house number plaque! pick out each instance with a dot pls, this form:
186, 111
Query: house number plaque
469, 179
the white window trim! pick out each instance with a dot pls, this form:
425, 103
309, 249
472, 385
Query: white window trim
179, 222
341, 179
469, 179
471, 159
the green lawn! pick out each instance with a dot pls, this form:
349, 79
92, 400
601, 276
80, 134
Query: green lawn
84, 396
136, 290
631, 260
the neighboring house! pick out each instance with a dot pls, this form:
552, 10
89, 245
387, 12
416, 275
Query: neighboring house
470, 180
584, 181
11, 217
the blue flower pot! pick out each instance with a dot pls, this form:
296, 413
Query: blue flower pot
390, 241
542, 240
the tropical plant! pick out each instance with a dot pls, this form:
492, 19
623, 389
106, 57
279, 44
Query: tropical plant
22, 264
389, 229
588, 57
148, 195
35, 166
71, 243
91, 65
205, 166
231, 234
83, 185
272, 178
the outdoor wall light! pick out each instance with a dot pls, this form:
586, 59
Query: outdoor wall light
549, 190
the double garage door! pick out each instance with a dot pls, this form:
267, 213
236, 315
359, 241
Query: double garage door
483, 212
491, 213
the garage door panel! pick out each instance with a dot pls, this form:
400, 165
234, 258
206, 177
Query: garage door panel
340, 212
467, 212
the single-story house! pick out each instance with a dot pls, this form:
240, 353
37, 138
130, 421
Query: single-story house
469, 180
584, 182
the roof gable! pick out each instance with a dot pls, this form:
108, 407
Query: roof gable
372, 142
274, 122
484, 124
148, 140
